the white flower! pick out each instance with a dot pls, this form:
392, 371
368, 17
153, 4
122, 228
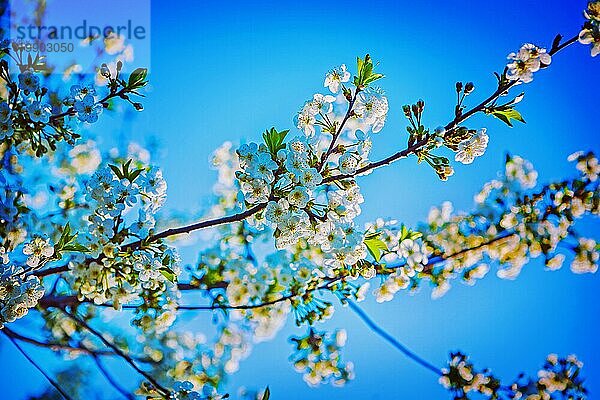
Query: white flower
310, 178
348, 163
526, 61
299, 145
341, 257
296, 163
473, 147
335, 77
591, 36
328, 235
247, 153
262, 167
555, 262
321, 103
256, 191
386, 291
305, 121
32, 290
592, 13
373, 108
590, 167
298, 197
586, 258
14, 311
152, 182
37, 250
291, 230
277, 212
414, 254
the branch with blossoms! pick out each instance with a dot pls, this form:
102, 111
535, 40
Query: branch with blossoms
371, 111
105, 243
558, 379
33, 118
519, 180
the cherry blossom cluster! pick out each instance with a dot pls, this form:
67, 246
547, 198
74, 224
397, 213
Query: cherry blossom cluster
287, 177
295, 208
526, 223
17, 293
114, 193
558, 379
590, 33
317, 356
248, 283
529, 59
19, 290
300, 195
34, 117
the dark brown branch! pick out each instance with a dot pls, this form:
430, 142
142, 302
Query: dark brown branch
198, 225
39, 368
118, 351
336, 135
55, 346
62, 301
111, 380
369, 167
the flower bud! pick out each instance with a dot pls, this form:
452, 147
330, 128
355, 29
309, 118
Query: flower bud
469, 87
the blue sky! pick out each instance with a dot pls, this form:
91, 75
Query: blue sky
226, 71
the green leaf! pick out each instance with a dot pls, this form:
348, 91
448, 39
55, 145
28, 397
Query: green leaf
65, 238
406, 233
375, 246
365, 72
76, 247
66, 243
274, 140
137, 79
373, 78
117, 171
266, 394
135, 174
169, 274
507, 115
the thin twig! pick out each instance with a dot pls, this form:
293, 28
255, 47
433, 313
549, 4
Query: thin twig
48, 378
336, 135
392, 340
198, 225
118, 351
111, 380
55, 346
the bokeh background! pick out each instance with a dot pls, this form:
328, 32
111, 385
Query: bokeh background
228, 70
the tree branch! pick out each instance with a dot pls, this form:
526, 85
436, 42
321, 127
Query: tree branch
336, 135
58, 388
118, 351
390, 339
54, 346
62, 301
369, 167
111, 380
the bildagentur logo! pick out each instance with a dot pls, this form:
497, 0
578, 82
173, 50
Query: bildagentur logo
128, 30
